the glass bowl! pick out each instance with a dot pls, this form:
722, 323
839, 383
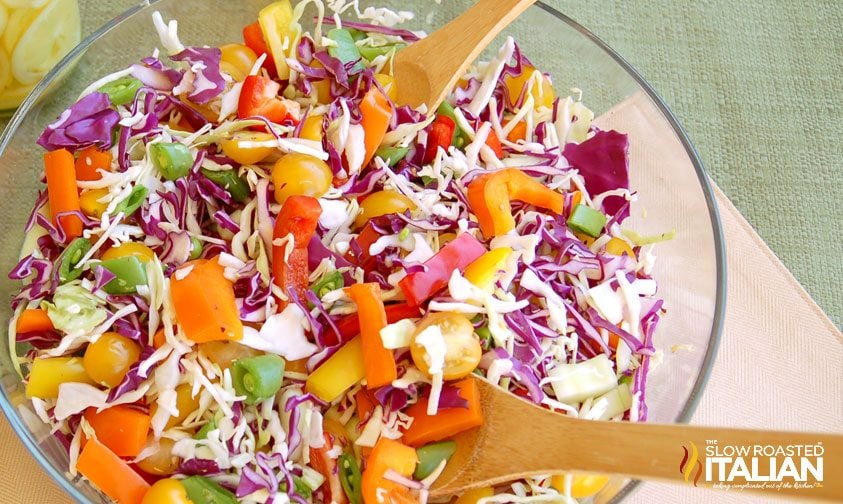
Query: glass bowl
673, 189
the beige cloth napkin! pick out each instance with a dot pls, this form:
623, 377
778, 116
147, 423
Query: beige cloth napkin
779, 365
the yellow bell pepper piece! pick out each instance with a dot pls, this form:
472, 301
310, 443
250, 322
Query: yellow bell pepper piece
312, 128
618, 246
543, 94
486, 269
276, 21
473, 496
388, 84
89, 202
582, 485
47, 374
339, 373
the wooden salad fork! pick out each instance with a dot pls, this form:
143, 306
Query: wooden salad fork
427, 70
519, 439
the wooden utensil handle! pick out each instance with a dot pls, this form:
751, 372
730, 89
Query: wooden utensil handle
692, 455
438, 61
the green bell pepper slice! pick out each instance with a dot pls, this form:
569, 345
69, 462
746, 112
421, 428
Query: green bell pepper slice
350, 478
201, 490
133, 201
459, 139
587, 220
392, 155
173, 160
258, 378
129, 272
345, 50
231, 182
370, 52
68, 259
431, 455
330, 282
208, 427
121, 91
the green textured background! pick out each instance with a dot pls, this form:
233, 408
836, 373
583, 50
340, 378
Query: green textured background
757, 85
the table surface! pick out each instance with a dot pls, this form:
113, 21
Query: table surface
757, 88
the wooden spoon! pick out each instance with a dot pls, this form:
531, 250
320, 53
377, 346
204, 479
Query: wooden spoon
428, 69
520, 439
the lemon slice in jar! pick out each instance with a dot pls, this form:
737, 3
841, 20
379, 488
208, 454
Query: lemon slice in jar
20, 4
17, 23
5, 71
51, 35
4, 16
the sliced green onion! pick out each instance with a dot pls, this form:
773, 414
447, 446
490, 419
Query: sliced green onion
68, 259
129, 272
201, 490
431, 455
345, 50
350, 478
195, 248
208, 427
172, 160
257, 378
330, 282
133, 201
587, 220
391, 155
301, 487
231, 182
370, 53
121, 91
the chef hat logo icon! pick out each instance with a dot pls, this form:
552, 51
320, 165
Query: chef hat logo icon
690, 464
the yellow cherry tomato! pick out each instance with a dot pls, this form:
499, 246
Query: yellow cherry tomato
312, 128
224, 353
618, 246
237, 60
46, 374
139, 250
382, 203
582, 485
166, 491
90, 204
300, 175
162, 462
238, 148
485, 270
186, 403
107, 360
472, 496
542, 93
388, 84
463, 349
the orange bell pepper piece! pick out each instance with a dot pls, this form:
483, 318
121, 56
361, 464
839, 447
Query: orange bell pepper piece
387, 454
494, 143
63, 194
447, 422
518, 132
204, 302
121, 428
90, 161
111, 474
379, 362
33, 320
376, 112
489, 197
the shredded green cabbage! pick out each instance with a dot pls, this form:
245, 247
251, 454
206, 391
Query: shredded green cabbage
75, 310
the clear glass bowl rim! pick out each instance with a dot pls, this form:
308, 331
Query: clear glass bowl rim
714, 216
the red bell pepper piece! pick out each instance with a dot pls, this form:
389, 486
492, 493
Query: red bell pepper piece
253, 38
365, 239
440, 135
349, 326
298, 217
259, 97
494, 143
420, 286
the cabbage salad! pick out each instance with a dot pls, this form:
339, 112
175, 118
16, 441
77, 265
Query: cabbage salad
253, 276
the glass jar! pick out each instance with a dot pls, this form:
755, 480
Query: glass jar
34, 36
